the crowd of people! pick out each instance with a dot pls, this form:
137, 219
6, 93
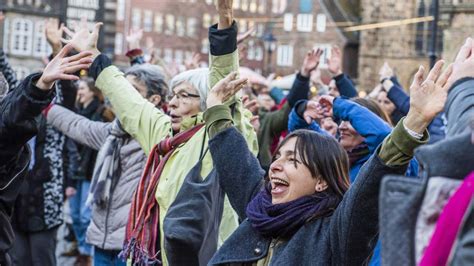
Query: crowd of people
202, 167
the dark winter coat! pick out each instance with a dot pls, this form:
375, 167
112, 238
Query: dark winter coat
345, 238
17, 125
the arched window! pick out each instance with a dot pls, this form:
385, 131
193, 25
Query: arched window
22, 36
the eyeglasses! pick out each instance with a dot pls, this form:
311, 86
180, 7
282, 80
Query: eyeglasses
181, 96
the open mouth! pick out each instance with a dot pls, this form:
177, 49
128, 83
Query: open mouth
279, 186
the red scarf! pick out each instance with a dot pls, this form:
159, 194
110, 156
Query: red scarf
143, 226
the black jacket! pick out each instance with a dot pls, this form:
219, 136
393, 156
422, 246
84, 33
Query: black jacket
17, 125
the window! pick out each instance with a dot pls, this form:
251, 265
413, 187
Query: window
251, 24
136, 18
147, 20
6, 35
260, 30
205, 46
279, 6
288, 22
21, 40
259, 53
158, 23
242, 25
191, 27
321, 23
41, 48
236, 4
209, 2
179, 57
251, 51
253, 6
118, 43
261, 6
206, 20
168, 55
245, 5
120, 10
180, 26
169, 24
21, 72
326, 53
304, 22
285, 55
306, 6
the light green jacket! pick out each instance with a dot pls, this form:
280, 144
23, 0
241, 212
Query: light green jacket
149, 126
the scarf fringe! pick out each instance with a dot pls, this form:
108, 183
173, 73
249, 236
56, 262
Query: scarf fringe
138, 255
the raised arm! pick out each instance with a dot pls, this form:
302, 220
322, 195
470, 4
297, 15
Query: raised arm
239, 171
366, 123
140, 118
77, 127
355, 221
343, 83
223, 60
19, 108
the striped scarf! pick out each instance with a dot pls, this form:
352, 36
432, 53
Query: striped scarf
142, 232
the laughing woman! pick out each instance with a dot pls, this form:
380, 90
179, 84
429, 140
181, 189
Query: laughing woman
305, 214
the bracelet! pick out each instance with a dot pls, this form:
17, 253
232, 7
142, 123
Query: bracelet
412, 133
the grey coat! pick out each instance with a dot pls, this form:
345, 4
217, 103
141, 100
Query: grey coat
107, 227
345, 238
402, 199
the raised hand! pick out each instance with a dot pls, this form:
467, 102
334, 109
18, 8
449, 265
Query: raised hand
242, 37
313, 111
134, 38
427, 96
63, 68
311, 62
463, 65
225, 89
193, 61
2, 17
385, 72
251, 105
82, 39
54, 33
335, 61
327, 102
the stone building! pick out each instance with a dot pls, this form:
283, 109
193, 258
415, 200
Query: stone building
180, 28
303, 25
23, 37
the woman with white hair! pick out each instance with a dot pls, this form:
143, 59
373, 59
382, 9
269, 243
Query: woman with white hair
175, 143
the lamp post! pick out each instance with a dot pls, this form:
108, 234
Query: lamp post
434, 33
269, 42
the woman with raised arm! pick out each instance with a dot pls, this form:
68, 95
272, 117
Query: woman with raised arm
17, 125
305, 214
175, 143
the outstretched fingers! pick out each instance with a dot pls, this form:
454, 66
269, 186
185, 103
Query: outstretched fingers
419, 77
465, 51
443, 79
435, 71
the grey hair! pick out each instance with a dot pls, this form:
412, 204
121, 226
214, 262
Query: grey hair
199, 79
153, 78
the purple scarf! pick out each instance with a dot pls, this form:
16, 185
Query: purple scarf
283, 220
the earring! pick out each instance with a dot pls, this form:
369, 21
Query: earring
319, 188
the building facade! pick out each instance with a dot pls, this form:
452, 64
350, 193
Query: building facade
23, 37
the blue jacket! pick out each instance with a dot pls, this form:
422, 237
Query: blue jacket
345, 86
402, 101
366, 123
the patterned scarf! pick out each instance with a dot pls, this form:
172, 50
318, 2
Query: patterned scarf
107, 166
142, 232
283, 220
